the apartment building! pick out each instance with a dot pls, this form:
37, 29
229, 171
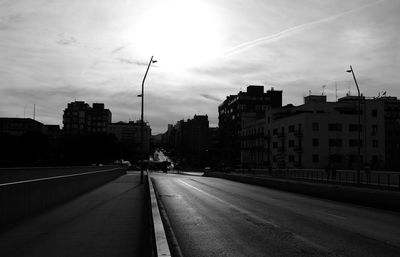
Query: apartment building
129, 134
238, 110
318, 134
79, 118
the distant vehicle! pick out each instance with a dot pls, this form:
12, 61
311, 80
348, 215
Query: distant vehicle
207, 169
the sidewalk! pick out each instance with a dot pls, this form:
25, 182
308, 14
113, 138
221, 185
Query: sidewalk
108, 221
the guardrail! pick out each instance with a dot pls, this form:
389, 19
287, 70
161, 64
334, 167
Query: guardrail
23, 198
379, 179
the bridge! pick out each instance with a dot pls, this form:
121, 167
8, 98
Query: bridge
105, 211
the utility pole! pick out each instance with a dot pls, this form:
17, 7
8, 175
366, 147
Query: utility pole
359, 126
142, 121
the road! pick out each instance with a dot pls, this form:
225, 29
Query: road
217, 217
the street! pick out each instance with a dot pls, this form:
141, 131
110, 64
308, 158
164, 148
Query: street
217, 217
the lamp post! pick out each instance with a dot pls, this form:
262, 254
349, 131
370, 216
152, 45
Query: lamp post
359, 125
142, 121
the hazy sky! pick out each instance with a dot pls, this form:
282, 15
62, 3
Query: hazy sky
53, 52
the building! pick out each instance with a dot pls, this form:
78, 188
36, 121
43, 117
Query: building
20, 126
129, 134
189, 140
319, 134
237, 110
80, 119
98, 119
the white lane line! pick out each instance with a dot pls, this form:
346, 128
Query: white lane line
241, 210
336, 216
258, 219
332, 215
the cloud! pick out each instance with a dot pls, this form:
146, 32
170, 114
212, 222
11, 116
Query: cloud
210, 97
262, 40
128, 61
67, 40
116, 50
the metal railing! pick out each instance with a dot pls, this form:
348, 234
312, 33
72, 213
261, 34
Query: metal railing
379, 179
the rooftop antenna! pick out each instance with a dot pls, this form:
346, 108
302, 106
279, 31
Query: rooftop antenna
34, 111
323, 89
309, 92
348, 86
24, 111
336, 90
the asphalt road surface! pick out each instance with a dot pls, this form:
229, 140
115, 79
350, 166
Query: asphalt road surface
217, 217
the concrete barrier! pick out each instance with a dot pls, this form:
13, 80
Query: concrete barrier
23, 198
158, 238
383, 199
27, 173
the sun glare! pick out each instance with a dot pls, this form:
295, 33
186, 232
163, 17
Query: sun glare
180, 34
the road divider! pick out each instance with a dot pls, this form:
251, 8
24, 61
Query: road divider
21, 199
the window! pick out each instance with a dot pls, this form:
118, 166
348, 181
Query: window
315, 142
375, 143
291, 158
335, 142
374, 129
353, 142
275, 131
291, 143
353, 127
335, 127
274, 144
291, 128
315, 158
315, 126
374, 113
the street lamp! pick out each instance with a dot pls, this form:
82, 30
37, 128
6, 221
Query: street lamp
359, 126
142, 121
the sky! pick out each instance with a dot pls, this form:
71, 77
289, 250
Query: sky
53, 52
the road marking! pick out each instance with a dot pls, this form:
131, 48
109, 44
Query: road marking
243, 211
332, 215
258, 219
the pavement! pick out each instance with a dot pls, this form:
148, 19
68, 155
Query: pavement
214, 217
107, 221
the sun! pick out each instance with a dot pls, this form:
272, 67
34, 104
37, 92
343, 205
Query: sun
180, 34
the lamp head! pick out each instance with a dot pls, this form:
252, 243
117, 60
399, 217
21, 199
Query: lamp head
348, 71
154, 61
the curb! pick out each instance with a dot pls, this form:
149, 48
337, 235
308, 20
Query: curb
173, 242
160, 239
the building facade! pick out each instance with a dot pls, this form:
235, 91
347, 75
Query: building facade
319, 134
80, 119
129, 134
189, 140
20, 126
241, 109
